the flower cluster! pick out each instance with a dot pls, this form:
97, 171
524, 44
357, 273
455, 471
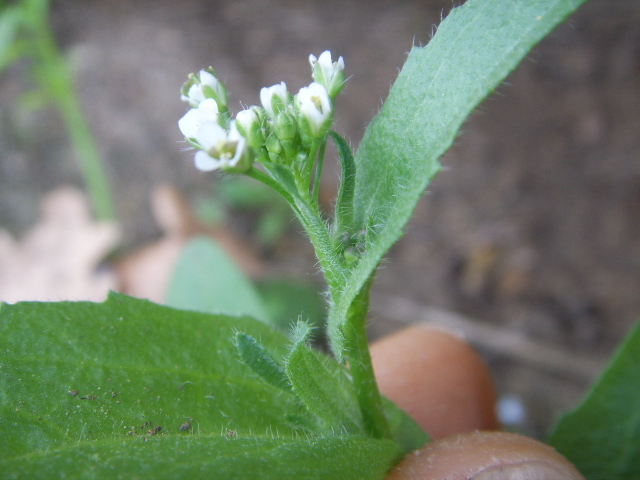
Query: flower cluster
286, 129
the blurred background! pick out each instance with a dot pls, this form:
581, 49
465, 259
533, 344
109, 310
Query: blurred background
528, 241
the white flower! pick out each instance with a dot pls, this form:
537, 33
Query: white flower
315, 110
275, 98
204, 85
196, 118
222, 149
328, 73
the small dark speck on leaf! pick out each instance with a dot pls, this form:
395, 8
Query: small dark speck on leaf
185, 426
231, 433
155, 430
73, 393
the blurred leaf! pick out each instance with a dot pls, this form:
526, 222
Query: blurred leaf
240, 192
130, 389
272, 225
210, 210
287, 300
602, 436
406, 432
10, 23
275, 215
207, 279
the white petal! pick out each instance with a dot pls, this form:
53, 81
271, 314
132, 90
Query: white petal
210, 134
190, 123
195, 118
325, 60
210, 105
234, 134
265, 99
208, 79
267, 94
247, 118
205, 163
195, 94
316, 92
308, 99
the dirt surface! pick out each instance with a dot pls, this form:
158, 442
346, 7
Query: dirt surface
532, 227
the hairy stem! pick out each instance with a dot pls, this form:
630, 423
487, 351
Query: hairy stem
308, 214
357, 348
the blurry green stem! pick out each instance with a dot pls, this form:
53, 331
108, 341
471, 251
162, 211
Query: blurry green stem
55, 76
315, 193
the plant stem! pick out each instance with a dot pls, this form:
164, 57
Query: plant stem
59, 83
267, 180
361, 367
308, 167
309, 216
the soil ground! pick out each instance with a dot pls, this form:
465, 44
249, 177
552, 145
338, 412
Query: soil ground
533, 226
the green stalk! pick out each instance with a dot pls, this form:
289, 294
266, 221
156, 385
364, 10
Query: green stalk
57, 79
267, 180
357, 348
308, 214
361, 367
307, 170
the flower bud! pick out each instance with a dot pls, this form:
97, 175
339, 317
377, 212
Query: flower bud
275, 98
315, 113
284, 125
204, 85
274, 147
249, 123
327, 73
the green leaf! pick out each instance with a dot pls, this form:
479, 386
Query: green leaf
256, 357
602, 436
74, 372
211, 457
207, 280
323, 392
344, 203
474, 49
85, 388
